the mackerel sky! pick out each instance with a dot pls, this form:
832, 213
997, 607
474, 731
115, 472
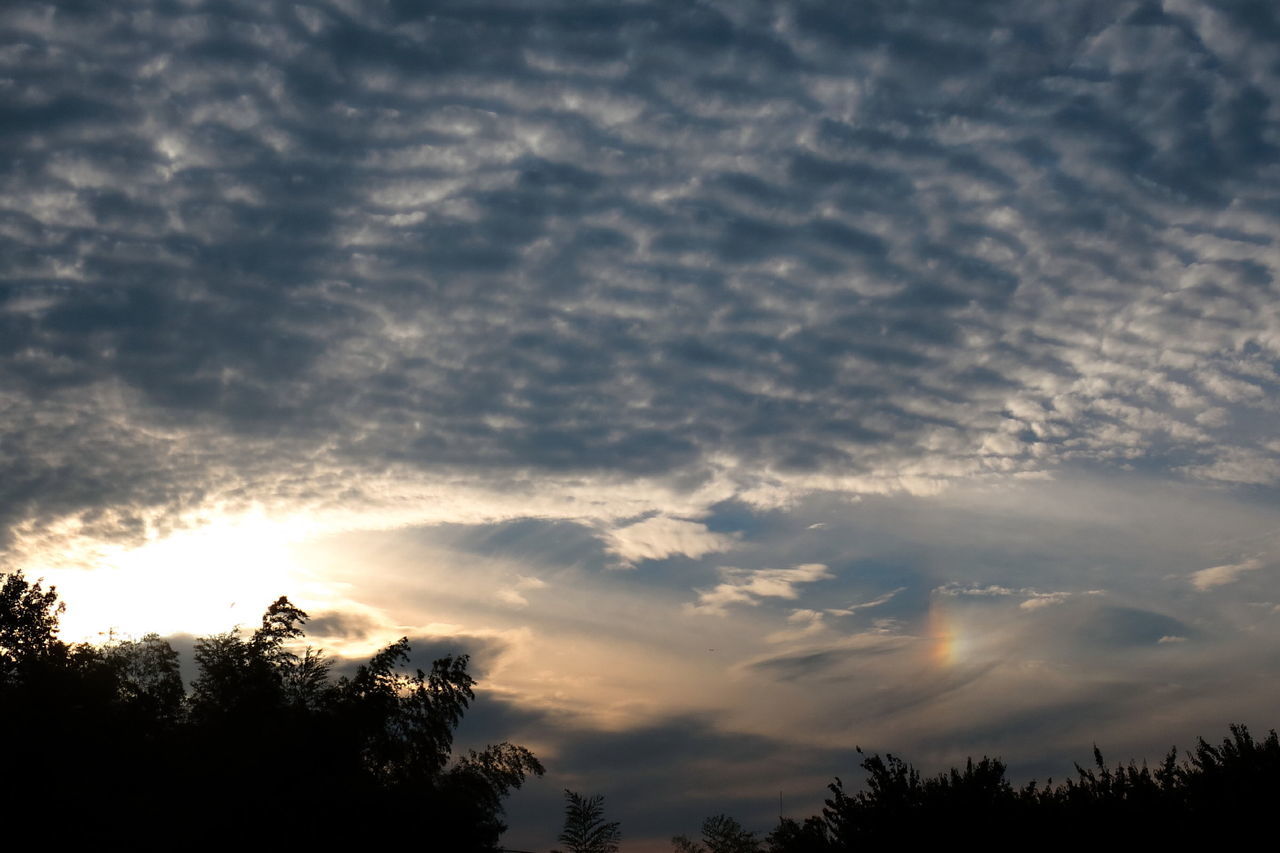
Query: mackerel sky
738, 382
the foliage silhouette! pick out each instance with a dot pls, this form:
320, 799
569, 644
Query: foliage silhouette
264, 733
28, 624
791, 836
148, 678
720, 834
1199, 800
585, 829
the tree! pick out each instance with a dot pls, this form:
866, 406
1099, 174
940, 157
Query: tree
720, 834
585, 829
147, 678
406, 722
263, 708
264, 731
28, 623
791, 836
248, 678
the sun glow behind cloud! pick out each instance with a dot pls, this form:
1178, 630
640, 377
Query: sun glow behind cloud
199, 580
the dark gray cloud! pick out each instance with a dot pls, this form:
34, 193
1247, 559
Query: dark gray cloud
1127, 627
247, 245
345, 626
807, 664
641, 763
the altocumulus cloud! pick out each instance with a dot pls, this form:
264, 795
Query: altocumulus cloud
660, 278
295, 251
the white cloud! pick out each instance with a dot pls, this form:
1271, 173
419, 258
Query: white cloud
866, 605
659, 537
989, 591
1206, 579
1033, 599
1044, 599
749, 586
804, 624
514, 594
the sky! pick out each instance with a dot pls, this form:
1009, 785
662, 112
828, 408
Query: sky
738, 382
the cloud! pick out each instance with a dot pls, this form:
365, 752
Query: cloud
1044, 599
876, 602
1132, 627
730, 771
1206, 579
514, 594
343, 626
829, 659
756, 248
989, 591
866, 605
659, 537
1032, 599
749, 586
484, 652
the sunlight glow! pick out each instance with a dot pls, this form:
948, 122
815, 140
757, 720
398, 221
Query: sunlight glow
195, 581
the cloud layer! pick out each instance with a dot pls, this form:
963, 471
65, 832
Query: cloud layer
276, 250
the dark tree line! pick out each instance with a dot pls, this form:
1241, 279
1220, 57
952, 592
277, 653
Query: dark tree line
1217, 793
109, 743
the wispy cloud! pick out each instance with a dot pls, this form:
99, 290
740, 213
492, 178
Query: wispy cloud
1033, 599
866, 605
514, 594
750, 586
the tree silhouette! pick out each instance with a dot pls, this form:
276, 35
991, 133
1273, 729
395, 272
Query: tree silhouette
720, 834
1202, 800
585, 829
264, 733
791, 836
383, 736
148, 678
28, 623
